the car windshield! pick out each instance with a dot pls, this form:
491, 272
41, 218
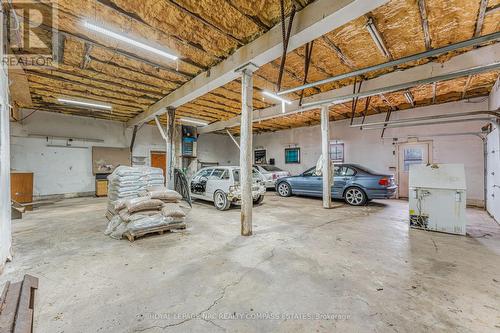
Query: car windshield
255, 175
270, 168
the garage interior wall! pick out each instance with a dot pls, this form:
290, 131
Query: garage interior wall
493, 167
5, 223
367, 148
68, 171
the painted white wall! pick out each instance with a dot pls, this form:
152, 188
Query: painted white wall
5, 222
493, 166
69, 170
367, 148
217, 148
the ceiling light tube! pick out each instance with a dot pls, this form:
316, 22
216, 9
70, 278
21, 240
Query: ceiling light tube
409, 98
127, 40
193, 121
377, 38
276, 97
91, 104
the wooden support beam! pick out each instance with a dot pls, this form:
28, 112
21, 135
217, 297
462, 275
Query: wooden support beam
466, 86
171, 159
343, 58
86, 55
480, 17
246, 150
312, 22
138, 20
205, 22
86, 39
493, 9
325, 153
425, 24
254, 19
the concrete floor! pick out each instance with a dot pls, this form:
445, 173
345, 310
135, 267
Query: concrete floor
357, 268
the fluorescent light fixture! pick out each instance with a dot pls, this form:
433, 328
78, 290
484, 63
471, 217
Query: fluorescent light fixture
276, 97
409, 98
193, 121
377, 38
85, 103
279, 98
127, 40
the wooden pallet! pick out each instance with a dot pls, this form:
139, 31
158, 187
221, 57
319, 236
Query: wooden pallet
17, 306
133, 234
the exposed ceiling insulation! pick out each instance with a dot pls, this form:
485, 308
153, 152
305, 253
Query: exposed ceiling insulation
446, 91
351, 47
95, 67
205, 32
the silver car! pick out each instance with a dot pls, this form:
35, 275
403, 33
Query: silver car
271, 174
221, 185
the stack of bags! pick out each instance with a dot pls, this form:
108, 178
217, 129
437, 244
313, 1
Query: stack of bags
135, 207
126, 182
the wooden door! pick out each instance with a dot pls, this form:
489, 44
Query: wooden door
410, 153
159, 160
21, 187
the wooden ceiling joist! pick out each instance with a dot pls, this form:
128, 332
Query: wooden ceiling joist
205, 33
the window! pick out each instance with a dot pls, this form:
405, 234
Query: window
292, 155
205, 173
345, 172
348, 172
310, 172
337, 171
413, 156
218, 174
336, 152
260, 156
255, 175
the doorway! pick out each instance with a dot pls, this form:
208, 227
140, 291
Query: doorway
408, 154
159, 160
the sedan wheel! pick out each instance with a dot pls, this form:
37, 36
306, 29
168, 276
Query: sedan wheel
355, 196
284, 189
220, 201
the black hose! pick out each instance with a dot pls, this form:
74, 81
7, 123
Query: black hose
181, 186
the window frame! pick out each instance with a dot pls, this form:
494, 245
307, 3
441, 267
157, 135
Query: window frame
255, 157
298, 155
336, 143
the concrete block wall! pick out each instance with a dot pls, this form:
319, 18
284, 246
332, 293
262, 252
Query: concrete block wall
369, 149
68, 171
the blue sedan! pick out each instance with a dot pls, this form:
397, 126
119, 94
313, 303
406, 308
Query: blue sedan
353, 183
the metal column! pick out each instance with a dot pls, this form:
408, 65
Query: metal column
327, 167
170, 158
246, 150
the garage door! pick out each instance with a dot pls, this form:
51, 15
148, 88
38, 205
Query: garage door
493, 174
